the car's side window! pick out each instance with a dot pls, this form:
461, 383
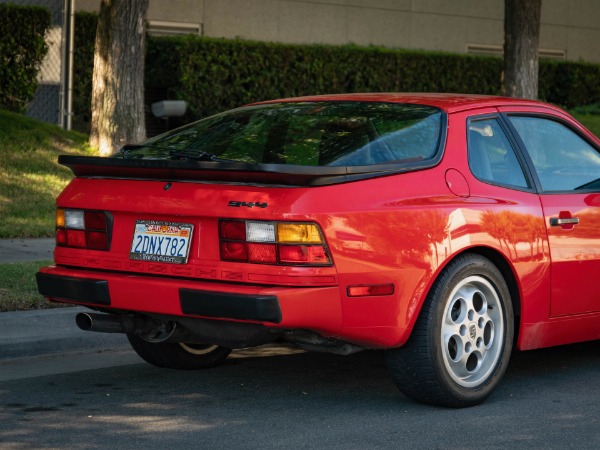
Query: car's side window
491, 156
562, 159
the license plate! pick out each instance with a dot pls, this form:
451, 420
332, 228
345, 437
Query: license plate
166, 242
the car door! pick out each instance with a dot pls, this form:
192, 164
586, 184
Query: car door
566, 164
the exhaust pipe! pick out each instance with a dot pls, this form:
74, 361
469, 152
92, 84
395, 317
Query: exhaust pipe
185, 329
148, 329
102, 323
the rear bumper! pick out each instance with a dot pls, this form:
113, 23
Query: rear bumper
77, 289
318, 309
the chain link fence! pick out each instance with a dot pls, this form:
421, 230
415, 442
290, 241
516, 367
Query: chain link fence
48, 103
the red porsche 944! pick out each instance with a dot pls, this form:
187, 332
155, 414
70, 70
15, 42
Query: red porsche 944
445, 229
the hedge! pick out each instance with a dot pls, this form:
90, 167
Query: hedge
216, 74
22, 49
569, 84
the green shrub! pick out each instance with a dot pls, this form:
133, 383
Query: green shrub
217, 74
22, 48
569, 84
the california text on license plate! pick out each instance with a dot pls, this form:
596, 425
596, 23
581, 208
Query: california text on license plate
166, 242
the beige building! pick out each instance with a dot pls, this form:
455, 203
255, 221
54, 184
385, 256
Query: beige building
570, 28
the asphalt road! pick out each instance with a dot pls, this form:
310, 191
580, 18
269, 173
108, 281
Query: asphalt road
277, 398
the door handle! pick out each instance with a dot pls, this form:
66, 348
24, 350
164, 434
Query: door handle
557, 221
560, 221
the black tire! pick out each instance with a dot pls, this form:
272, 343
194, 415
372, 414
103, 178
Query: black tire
178, 356
461, 343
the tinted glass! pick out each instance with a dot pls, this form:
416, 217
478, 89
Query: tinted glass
491, 157
310, 134
562, 159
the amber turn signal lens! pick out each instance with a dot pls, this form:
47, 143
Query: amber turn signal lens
298, 233
60, 218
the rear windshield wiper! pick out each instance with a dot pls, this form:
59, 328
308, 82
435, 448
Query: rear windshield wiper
195, 156
123, 152
154, 152
126, 151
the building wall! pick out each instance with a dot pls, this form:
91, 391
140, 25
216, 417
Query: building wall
570, 28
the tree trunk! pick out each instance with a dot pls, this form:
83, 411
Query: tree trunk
118, 80
521, 41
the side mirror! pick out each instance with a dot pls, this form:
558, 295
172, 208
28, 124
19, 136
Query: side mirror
169, 108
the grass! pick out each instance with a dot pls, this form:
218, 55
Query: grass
589, 116
590, 121
18, 291
30, 180
30, 177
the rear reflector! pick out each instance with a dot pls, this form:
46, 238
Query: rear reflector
262, 253
370, 290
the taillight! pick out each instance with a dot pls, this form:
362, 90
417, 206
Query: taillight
282, 243
82, 229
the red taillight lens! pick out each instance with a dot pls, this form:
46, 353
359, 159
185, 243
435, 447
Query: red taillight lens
292, 253
82, 229
234, 251
61, 236
232, 229
96, 240
76, 238
267, 242
304, 254
262, 253
95, 220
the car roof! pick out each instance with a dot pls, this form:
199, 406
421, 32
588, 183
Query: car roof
446, 102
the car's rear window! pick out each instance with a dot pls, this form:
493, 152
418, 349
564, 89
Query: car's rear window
308, 134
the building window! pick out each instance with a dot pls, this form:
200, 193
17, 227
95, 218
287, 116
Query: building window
166, 28
497, 50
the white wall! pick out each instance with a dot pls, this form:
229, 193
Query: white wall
569, 26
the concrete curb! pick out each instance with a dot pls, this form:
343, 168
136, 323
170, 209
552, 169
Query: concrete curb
46, 331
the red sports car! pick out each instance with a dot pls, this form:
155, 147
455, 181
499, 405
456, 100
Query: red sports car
442, 228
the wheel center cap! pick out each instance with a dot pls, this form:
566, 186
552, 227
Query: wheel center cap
472, 331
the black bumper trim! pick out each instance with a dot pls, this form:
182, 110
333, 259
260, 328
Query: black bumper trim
86, 290
263, 308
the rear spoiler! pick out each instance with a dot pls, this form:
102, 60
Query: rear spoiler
237, 172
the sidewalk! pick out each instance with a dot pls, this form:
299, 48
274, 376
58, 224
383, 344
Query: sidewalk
23, 250
45, 331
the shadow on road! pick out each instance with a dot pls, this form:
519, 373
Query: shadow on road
275, 397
